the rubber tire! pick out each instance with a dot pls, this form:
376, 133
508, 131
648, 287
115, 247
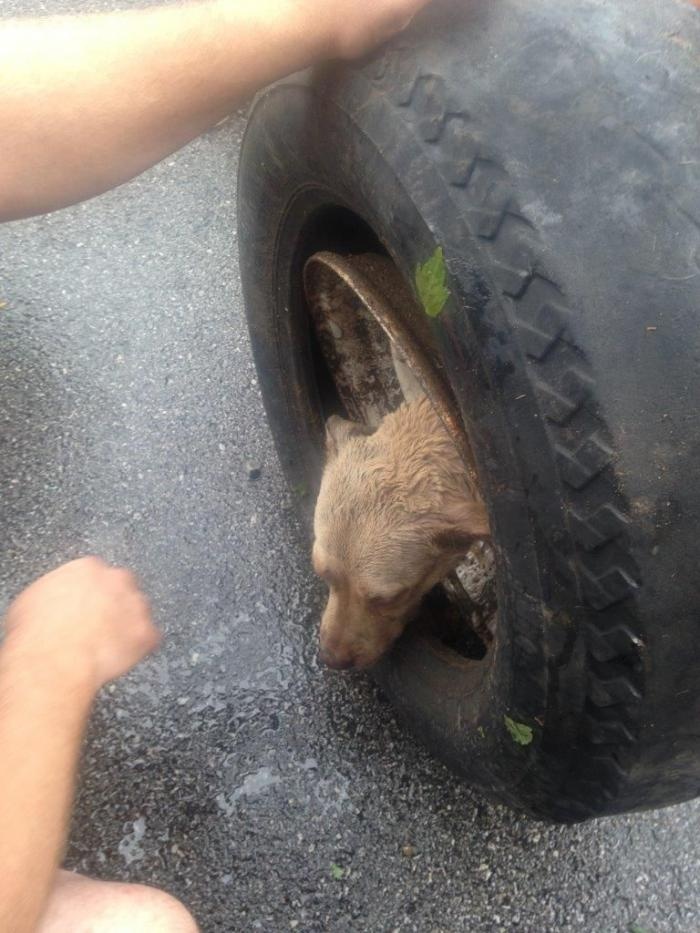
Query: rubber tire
551, 150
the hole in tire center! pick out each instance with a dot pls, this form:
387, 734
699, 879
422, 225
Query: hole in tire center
359, 377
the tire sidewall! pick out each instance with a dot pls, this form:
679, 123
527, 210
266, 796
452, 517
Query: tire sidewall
400, 195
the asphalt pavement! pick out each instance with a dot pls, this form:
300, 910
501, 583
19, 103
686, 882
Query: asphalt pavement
230, 769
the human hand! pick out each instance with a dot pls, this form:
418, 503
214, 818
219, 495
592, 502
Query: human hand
86, 620
359, 26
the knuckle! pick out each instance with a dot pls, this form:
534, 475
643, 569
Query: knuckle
149, 637
142, 608
125, 579
91, 562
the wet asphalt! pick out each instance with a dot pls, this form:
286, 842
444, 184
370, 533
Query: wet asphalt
230, 769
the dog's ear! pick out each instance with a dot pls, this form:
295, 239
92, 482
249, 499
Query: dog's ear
339, 431
463, 522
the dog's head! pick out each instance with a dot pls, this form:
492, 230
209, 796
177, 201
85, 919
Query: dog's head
388, 527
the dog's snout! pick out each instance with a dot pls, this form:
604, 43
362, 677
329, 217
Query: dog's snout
337, 662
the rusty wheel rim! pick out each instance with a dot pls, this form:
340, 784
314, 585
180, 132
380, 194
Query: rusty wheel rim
358, 305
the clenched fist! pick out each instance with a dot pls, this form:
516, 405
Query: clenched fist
85, 620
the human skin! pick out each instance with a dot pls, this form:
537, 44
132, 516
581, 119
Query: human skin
90, 101
67, 635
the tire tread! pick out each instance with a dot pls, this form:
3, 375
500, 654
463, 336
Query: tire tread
596, 554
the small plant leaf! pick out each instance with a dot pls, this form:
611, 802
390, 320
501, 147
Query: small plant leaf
519, 732
635, 928
431, 285
337, 873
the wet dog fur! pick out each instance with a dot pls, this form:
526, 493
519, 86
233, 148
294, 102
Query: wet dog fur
394, 516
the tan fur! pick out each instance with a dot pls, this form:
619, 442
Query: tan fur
394, 516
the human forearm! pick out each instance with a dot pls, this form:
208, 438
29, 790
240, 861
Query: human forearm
67, 634
88, 102
43, 711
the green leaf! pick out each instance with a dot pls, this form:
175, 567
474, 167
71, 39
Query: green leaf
519, 732
337, 873
430, 283
635, 928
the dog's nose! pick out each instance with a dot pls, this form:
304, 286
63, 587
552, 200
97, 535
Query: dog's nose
335, 661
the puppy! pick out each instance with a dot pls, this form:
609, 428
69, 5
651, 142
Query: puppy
394, 516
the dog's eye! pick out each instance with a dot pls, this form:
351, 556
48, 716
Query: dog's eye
385, 602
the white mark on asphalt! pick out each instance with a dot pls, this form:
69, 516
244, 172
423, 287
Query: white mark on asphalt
254, 784
130, 846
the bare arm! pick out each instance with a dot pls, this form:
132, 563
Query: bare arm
88, 102
68, 634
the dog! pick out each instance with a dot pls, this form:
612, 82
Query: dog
394, 516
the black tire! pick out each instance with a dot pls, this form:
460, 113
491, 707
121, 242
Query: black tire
552, 151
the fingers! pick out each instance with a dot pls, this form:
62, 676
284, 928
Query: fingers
86, 614
362, 26
147, 637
